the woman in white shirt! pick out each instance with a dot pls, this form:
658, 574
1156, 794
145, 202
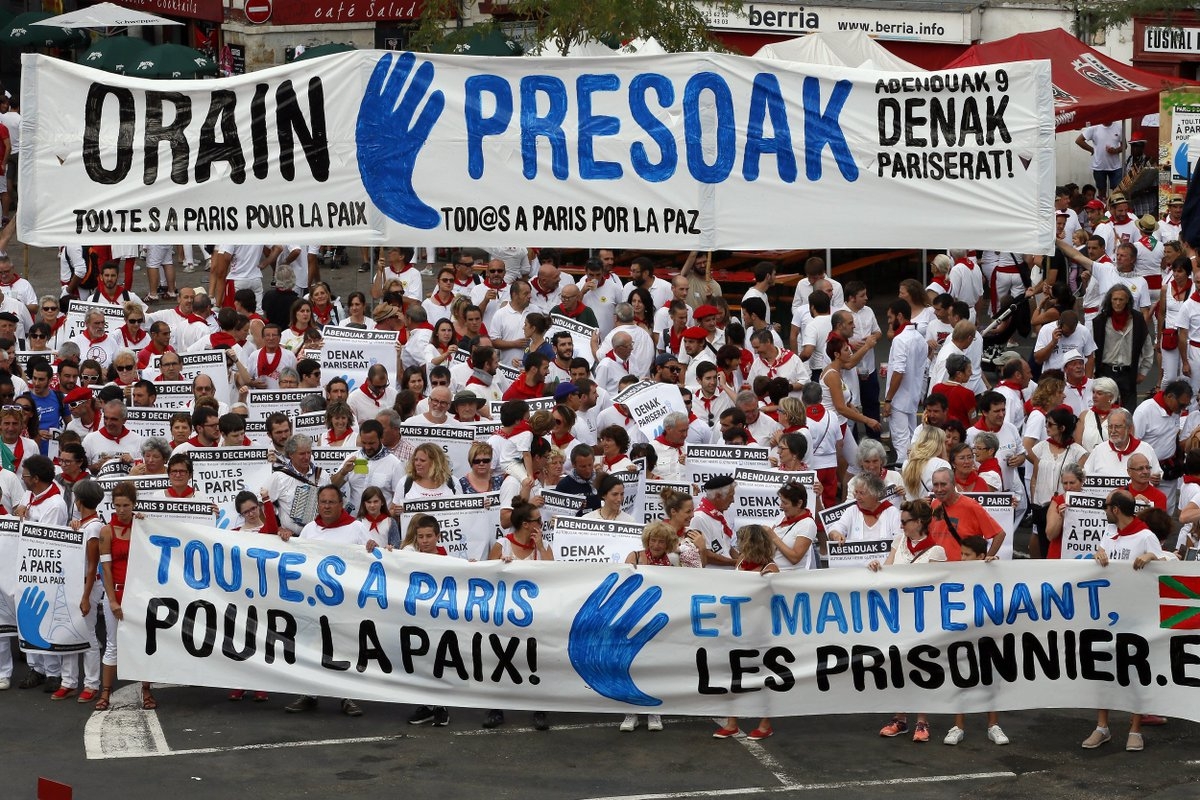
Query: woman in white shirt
612, 496
870, 518
795, 532
429, 475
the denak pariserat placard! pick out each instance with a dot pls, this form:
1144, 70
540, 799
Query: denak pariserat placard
680, 151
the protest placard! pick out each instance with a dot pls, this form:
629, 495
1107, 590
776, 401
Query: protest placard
212, 363
150, 422
851, 554
1000, 506
349, 353
706, 461
10, 539
467, 522
559, 504
174, 395
265, 402
180, 509
50, 565
1085, 523
581, 335
652, 507
453, 438
78, 311
648, 402
606, 541
220, 473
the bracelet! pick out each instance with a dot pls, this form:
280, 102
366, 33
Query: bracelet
105, 558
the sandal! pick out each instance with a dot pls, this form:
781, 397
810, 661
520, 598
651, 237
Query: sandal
148, 701
103, 703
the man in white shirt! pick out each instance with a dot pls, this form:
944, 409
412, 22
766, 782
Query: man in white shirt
1055, 340
905, 378
1010, 454
613, 364
265, 364
372, 465
772, 361
816, 334
109, 291
642, 354
492, 293
966, 281
1156, 422
670, 446
1111, 458
601, 293
641, 276
866, 331
546, 289
1120, 227
764, 279
94, 342
814, 271
507, 328
1106, 143
242, 265
1099, 275
376, 393
1171, 226
112, 440
758, 424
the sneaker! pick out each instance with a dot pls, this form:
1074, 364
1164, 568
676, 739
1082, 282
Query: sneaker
629, 724
441, 717
351, 708
87, 695
1099, 736
421, 715
237, 694
954, 736
1134, 743
653, 722
494, 719
1153, 719
301, 704
894, 728
921, 734
5, 684
759, 733
996, 735
261, 697
53, 683
189, 267
726, 733
63, 692
540, 722
364, 267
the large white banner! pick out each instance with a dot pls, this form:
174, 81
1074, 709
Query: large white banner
349, 353
50, 565
689, 151
407, 628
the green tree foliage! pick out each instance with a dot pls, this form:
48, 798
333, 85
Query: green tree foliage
678, 25
1097, 15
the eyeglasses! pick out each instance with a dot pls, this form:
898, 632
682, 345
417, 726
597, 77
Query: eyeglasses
78, 403
537, 521
440, 383
138, 320
445, 280
433, 402
124, 367
88, 376
12, 407
38, 336
481, 461
904, 521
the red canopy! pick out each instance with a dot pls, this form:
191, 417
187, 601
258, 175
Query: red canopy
1089, 87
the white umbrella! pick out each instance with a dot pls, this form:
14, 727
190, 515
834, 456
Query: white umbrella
105, 15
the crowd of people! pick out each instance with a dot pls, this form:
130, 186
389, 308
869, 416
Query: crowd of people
953, 410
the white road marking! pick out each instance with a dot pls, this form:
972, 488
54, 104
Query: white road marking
768, 761
808, 787
576, 727
264, 746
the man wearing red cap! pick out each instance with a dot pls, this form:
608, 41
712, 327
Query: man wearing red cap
695, 350
1093, 215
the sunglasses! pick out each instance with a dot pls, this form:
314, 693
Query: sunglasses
481, 461
49, 308
138, 320
38, 336
124, 367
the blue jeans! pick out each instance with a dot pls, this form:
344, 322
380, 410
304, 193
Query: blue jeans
1107, 179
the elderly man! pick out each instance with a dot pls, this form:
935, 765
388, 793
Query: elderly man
614, 363
507, 328
602, 291
760, 426
571, 305
546, 288
1111, 457
711, 522
670, 446
772, 361
294, 483
393, 442
642, 353
952, 509
113, 440
494, 292
1140, 486
1157, 420
94, 343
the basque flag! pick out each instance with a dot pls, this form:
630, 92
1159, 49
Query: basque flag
1179, 602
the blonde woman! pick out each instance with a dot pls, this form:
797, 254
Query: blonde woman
659, 545
926, 455
429, 475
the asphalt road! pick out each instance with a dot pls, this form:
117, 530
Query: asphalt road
200, 746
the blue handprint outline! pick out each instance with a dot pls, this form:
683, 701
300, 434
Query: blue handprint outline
602, 644
390, 134
31, 611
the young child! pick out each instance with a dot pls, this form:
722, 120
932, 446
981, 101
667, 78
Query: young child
756, 553
974, 548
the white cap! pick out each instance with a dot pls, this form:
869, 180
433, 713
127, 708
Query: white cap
1072, 355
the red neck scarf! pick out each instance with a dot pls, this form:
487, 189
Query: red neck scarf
981, 424
298, 331
171, 491
970, 483
662, 439
87, 335
658, 561
335, 439
221, 340
1101, 415
1129, 448
815, 413
578, 312
561, 441
375, 398
37, 501
803, 515
18, 451
195, 442
609, 461
376, 522
519, 428
115, 299
990, 465
268, 367
624, 364
1135, 526
1157, 397
322, 313
942, 282
1178, 295
526, 547
194, 318
781, 358
128, 338
1119, 319
879, 509
706, 507
104, 432
915, 550
342, 521
436, 297
58, 323
749, 566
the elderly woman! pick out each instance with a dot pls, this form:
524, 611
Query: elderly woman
872, 459
1092, 427
155, 452
795, 532
52, 316
966, 476
984, 448
479, 478
913, 545
1124, 346
339, 425
289, 378
1070, 481
870, 518
132, 335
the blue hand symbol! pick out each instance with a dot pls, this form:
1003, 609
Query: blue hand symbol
351, 383
389, 140
222, 519
600, 645
30, 613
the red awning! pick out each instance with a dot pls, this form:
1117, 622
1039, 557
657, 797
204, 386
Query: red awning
1089, 87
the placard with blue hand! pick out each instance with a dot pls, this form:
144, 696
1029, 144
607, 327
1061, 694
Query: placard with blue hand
49, 569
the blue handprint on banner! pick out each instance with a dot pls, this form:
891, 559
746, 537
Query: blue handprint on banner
351, 383
223, 518
30, 613
602, 645
390, 135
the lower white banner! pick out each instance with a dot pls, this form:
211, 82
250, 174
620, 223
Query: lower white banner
206, 608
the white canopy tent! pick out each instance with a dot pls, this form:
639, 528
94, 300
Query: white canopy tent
105, 15
591, 47
841, 49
